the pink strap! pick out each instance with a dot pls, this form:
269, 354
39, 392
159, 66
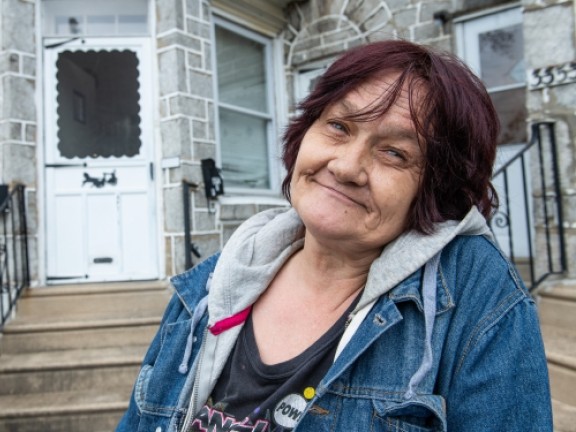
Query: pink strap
228, 323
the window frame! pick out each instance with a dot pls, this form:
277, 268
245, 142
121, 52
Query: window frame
82, 10
271, 116
475, 24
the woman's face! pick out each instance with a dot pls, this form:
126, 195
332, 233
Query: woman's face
354, 181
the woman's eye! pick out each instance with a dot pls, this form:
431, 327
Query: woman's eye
395, 154
338, 126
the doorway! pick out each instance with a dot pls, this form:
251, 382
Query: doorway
100, 215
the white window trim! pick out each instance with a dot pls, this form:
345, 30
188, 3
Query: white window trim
271, 57
460, 24
84, 8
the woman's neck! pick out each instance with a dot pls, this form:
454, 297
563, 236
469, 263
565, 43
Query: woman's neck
328, 272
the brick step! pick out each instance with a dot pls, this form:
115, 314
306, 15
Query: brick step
70, 370
87, 411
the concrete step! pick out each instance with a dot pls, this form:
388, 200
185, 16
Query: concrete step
557, 305
21, 340
88, 411
560, 346
97, 288
564, 417
70, 370
69, 359
77, 310
557, 310
93, 316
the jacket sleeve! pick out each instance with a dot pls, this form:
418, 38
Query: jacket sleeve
130, 419
501, 380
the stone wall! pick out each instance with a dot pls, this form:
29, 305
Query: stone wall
549, 51
321, 29
318, 30
18, 114
185, 86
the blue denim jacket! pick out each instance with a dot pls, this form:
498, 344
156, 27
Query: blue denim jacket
488, 369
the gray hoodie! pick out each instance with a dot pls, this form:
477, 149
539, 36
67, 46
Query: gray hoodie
261, 246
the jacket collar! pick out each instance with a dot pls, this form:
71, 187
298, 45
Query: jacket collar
410, 290
197, 277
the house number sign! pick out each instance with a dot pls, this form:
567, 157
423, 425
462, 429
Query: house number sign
552, 75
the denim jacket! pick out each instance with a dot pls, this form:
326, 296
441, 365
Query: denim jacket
485, 364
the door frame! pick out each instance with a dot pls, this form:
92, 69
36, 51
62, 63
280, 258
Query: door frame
48, 130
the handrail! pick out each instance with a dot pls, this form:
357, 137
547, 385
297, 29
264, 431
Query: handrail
514, 224
189, 247
14, 260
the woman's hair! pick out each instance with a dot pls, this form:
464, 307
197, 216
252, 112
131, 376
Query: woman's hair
452, 113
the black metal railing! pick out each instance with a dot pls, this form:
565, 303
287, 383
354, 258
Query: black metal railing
14, 262
528, 225
189, 247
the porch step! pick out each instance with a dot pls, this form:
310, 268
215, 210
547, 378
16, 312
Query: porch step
62, 411
560, 346
557, 310
37, 338
69, 359
557, 305
69, 370
564, 416
39, 310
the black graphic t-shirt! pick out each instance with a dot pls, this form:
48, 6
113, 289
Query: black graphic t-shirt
252, 396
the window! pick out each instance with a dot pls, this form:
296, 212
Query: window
493, 46
245, 108
89, 18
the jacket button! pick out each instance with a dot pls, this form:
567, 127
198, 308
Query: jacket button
379, 320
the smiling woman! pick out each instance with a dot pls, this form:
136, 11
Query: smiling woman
354, 182
379, 300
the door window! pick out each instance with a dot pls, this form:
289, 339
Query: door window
245, 107
493, 46
98, 104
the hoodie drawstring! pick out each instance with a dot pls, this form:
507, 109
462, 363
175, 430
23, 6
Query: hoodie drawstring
429, 289
199, 311
197, 315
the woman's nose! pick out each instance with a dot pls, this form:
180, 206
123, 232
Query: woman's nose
349, 163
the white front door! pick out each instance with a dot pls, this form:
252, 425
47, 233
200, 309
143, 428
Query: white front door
100, 223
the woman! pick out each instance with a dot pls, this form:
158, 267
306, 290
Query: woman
379, 300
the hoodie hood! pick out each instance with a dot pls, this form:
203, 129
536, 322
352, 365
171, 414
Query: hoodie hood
261, 246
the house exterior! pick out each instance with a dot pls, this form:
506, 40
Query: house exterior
110, 112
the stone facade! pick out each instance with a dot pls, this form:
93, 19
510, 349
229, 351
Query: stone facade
315, 32
319, 30
18, 111
550, 43
184, 50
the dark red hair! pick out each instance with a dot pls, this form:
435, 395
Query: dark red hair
453, 115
